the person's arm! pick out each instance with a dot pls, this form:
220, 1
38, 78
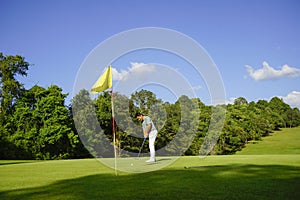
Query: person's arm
147, 131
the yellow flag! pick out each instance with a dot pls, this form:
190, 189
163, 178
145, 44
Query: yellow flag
104, 82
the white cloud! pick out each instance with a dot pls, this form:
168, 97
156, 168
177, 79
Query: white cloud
268, 72
197, 87
118, 75
137, 70
293, 99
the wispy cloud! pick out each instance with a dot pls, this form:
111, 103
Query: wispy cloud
268, 72
196, 87
137, 70
293, 99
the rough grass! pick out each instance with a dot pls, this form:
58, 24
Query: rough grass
215, 177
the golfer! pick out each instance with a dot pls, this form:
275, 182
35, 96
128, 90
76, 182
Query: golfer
150, 132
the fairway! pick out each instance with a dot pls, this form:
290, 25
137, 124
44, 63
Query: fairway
286, 141
256, 176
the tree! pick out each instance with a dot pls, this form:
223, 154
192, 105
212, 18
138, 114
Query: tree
234, 135
240, 101
55, 134
25, 132
293, 117
42, 124
92, 130
188, 113
144, 100
127, 128
104, 115
203, 124
10, 88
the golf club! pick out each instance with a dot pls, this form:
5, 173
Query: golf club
141, 147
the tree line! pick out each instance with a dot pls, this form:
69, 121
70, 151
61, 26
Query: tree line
35, 123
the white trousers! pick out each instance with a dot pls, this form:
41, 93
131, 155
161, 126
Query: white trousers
152, 137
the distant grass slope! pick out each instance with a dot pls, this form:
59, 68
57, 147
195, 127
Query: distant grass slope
286, 141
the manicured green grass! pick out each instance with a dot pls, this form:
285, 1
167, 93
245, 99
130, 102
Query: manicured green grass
286, 141
214, 177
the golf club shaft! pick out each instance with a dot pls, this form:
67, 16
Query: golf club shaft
141, 147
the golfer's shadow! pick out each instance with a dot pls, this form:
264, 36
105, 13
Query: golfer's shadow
162, 159
158, 161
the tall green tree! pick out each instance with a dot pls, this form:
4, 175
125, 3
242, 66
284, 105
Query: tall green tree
10, 87
10, 90
56, 135
144, 100
25, 130
292, 117
188, 110
42, 124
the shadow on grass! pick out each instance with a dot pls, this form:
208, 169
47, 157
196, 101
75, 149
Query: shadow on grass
207, 182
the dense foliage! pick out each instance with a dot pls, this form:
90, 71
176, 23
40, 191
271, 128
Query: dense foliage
36, 123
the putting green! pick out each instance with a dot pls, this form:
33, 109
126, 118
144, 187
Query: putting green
137, 165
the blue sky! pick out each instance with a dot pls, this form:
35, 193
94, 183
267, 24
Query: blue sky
254, 44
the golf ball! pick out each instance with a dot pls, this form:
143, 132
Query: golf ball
131, 164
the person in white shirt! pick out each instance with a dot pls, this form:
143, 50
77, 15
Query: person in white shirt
150, 132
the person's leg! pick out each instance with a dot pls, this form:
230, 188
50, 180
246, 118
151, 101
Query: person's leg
152, 137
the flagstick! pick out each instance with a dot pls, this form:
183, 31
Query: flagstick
113, 128
104, 82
